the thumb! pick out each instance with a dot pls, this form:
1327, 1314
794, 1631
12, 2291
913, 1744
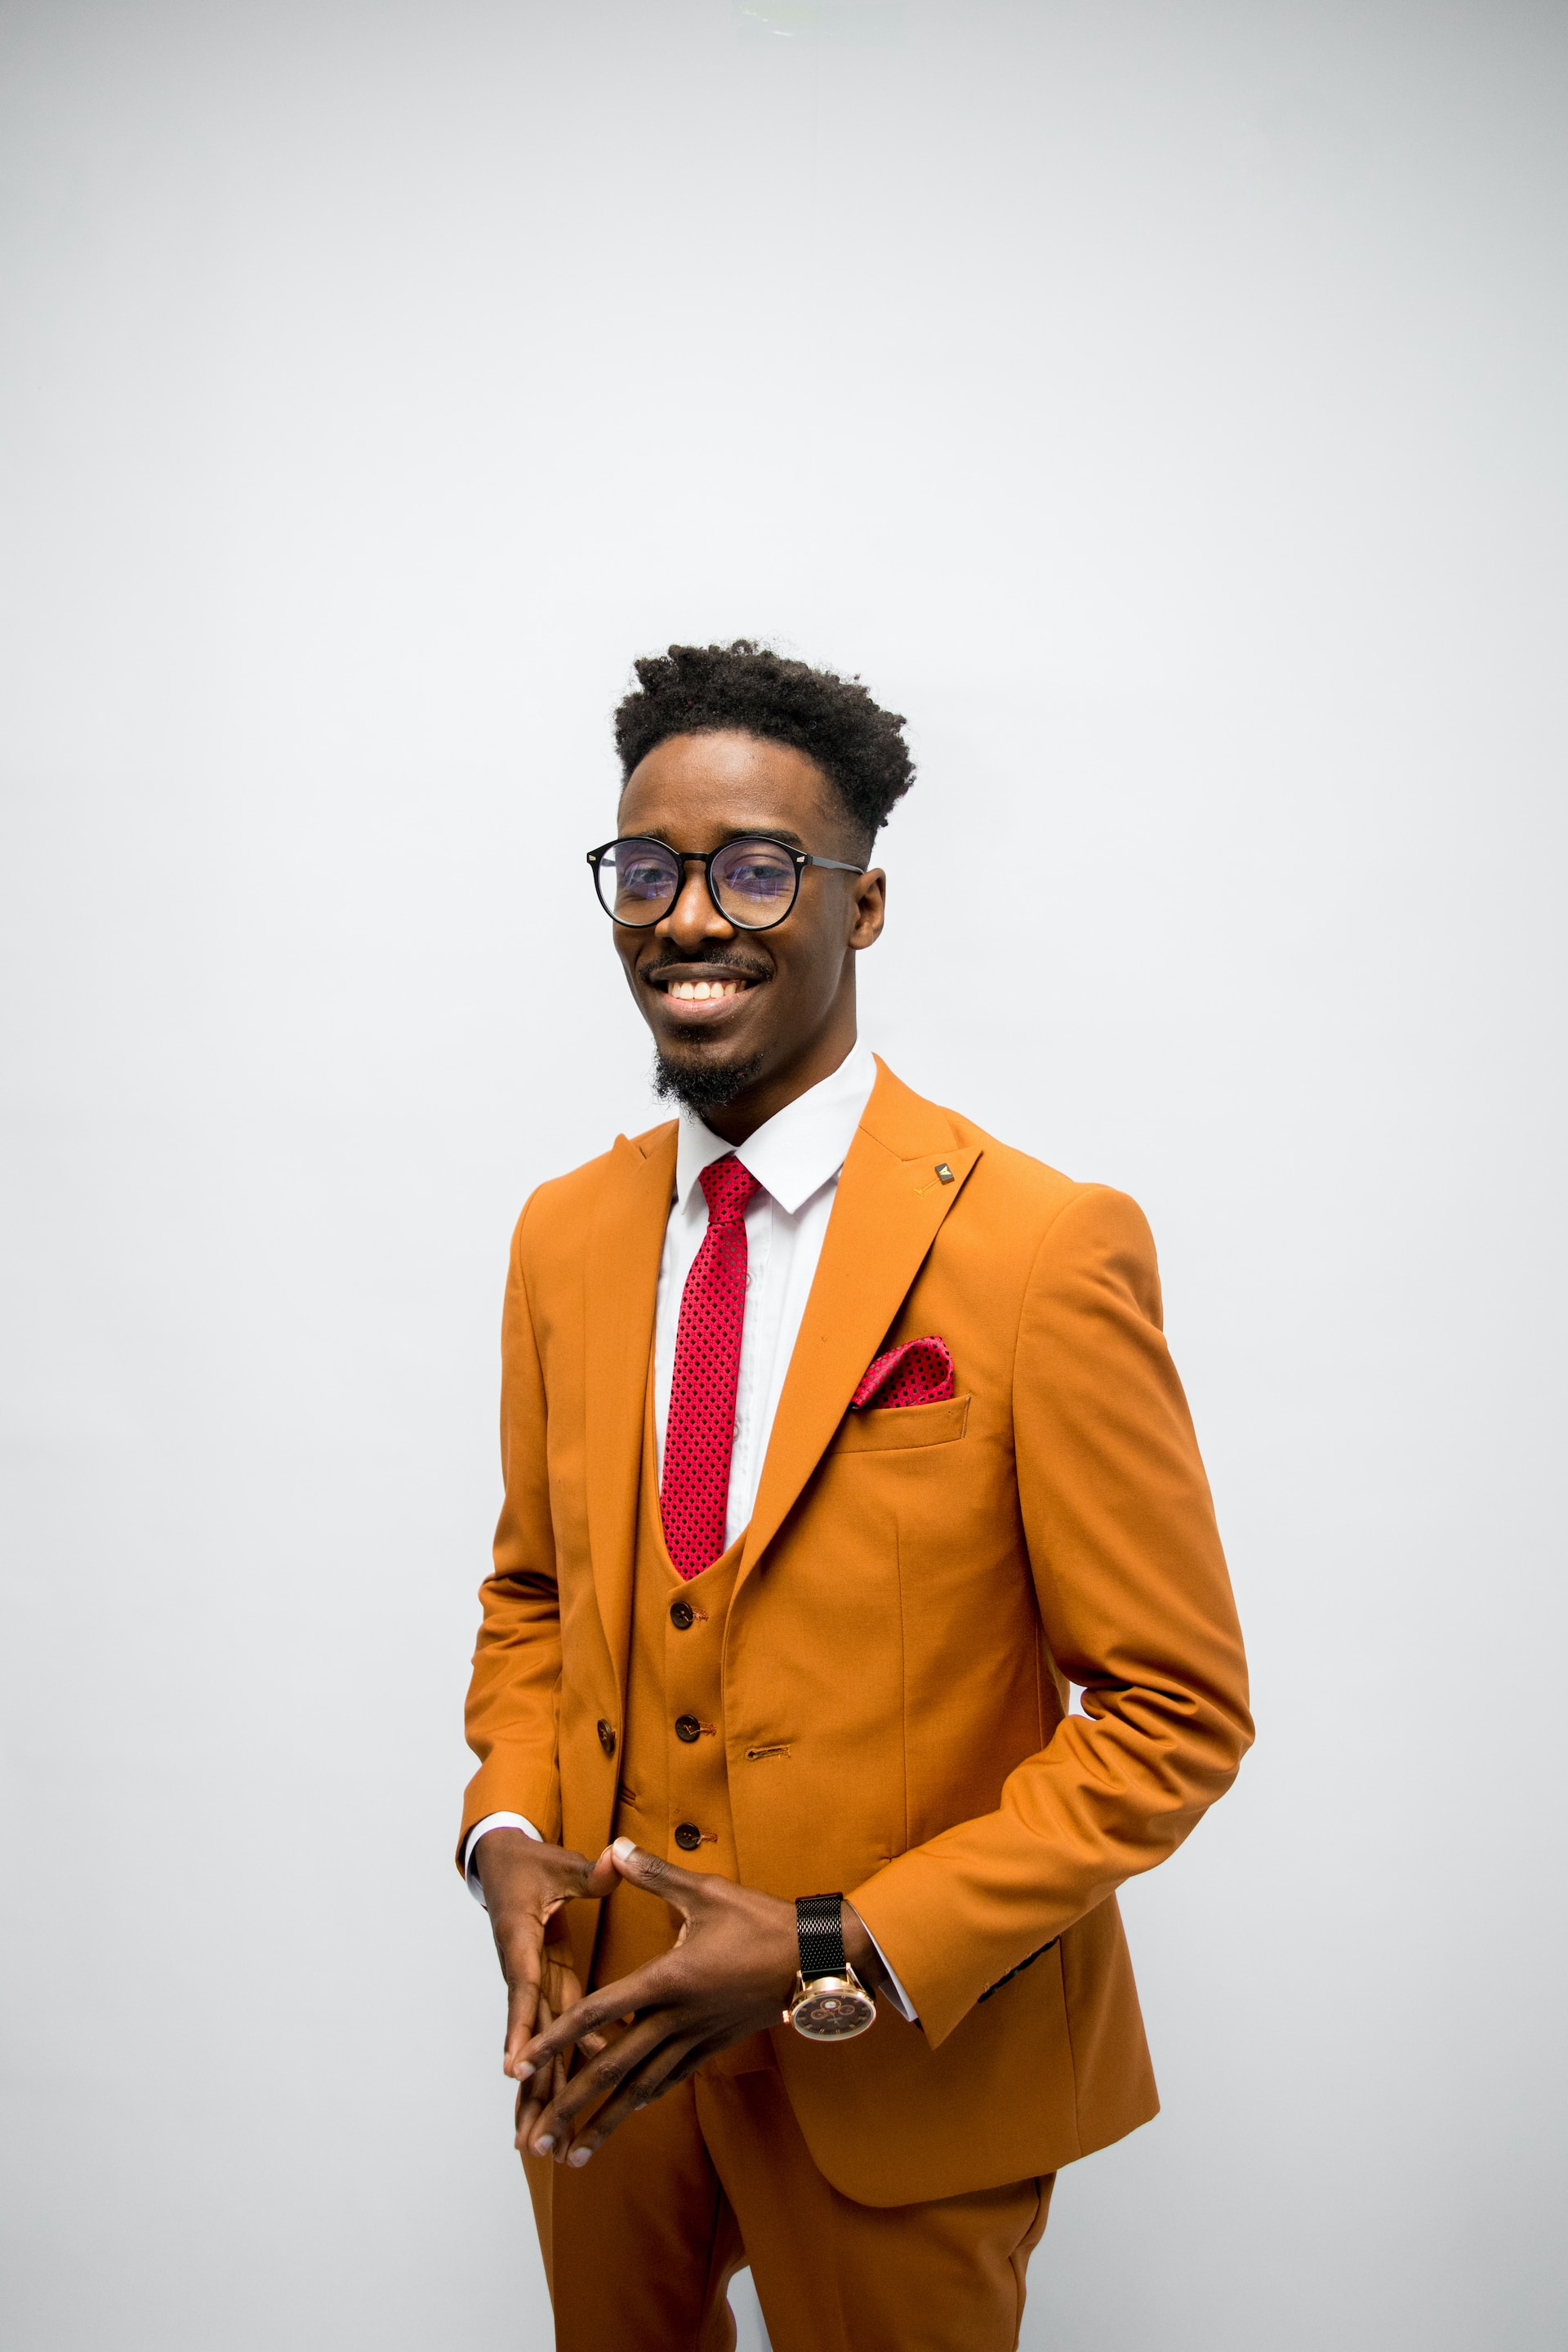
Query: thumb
683, 1888
601, 1879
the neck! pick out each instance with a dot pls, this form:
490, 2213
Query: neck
778, 1088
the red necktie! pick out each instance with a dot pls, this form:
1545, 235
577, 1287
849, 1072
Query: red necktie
700, 1434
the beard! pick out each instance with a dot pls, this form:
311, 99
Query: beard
702, 1085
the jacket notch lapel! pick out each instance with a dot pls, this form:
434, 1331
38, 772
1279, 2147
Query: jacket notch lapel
621, 1287
888, 1211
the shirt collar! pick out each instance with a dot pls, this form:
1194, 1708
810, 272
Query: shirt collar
793, 1154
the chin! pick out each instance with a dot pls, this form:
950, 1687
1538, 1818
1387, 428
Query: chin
703, 1081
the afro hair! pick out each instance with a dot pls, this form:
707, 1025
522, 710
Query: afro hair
702, 689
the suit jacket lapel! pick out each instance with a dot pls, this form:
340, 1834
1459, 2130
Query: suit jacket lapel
889, 1207
621, 1285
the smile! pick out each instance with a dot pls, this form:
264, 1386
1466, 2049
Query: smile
690, 999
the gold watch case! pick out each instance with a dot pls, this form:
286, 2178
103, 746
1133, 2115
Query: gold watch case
830, 2009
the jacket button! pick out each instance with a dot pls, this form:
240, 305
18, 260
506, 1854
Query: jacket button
687, 1728
680, 1614
607, 1738
688, 1837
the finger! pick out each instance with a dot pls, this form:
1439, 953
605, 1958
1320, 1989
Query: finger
580, 1877
668, 2065
567, 1876
530, 2104
554, 2077
597, 2080
683, 1888
628, 1995
563, 1989
524, 1977
600, 2126
601, 1879
697, 2055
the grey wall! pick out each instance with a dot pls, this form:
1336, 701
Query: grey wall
1163, 406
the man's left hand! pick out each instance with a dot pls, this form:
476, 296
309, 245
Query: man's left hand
729, 1974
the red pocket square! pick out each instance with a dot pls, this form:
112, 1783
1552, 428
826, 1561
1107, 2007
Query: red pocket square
919, 1372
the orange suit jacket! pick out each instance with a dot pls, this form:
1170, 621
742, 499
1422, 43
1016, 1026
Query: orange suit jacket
917, 1588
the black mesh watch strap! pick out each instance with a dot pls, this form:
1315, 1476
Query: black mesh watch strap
819, 1924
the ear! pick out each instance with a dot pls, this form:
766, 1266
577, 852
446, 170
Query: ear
868, 909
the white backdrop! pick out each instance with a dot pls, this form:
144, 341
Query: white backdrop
1164, 406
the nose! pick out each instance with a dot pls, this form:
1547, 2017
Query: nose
693, 917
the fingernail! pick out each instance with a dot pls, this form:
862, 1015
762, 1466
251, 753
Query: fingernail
624, 1847
543, 2144
579, 2158
524, 2071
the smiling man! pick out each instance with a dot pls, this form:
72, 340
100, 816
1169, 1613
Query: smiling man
840, 1439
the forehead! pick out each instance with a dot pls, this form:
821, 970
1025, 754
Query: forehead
696, 789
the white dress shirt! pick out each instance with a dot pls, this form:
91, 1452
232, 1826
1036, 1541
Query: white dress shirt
796, 1158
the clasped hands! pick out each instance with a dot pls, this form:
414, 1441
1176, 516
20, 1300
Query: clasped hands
729, 1974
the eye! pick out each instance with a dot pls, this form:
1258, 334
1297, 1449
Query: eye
758, 875
642, 874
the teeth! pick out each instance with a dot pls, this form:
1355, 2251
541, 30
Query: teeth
702, 991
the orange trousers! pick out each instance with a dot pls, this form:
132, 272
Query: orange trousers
640, 2246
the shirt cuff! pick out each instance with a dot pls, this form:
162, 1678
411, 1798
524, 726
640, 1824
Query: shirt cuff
498, 1821
893, 1988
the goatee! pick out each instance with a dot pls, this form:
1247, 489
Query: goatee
703, 1085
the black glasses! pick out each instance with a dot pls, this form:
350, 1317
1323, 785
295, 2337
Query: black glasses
753, 882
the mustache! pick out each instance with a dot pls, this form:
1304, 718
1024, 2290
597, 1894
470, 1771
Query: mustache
740, 965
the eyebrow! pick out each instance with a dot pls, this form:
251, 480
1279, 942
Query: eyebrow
734, 833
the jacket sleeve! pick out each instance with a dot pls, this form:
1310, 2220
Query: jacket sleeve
510, 1717
1136, 1607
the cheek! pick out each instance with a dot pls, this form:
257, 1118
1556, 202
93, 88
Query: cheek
811, 973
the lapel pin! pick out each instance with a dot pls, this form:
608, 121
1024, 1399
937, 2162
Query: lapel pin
945, 1172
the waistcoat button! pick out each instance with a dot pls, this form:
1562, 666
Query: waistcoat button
687, 1728
688, 1837
681, 1615
607, 1738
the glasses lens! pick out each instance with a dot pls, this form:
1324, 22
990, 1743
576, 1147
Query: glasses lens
639, 881
755, 882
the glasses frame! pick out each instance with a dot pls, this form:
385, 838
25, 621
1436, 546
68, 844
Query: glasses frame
799, 858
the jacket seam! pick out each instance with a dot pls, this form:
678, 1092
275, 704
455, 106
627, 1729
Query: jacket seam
1081, 1192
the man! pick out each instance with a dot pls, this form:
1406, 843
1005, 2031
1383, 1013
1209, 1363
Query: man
840, 1439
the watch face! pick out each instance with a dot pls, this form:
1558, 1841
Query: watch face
831, 2010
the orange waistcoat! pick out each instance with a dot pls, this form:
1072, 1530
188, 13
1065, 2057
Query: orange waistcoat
673, 1796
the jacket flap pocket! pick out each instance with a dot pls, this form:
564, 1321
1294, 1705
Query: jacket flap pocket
881, 1428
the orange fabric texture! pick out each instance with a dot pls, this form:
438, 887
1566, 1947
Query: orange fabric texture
915, 1590
640, 2247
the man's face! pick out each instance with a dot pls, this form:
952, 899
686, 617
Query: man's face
777, 1003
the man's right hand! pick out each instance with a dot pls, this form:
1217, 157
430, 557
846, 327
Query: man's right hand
525, 1885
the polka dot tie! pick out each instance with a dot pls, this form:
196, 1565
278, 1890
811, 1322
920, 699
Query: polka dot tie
700, 1434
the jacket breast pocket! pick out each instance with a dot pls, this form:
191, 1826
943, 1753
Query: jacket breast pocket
880, 1430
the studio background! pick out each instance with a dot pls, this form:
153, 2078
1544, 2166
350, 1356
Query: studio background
1163, 405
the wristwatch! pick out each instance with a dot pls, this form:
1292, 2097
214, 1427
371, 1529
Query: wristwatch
829, 2003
